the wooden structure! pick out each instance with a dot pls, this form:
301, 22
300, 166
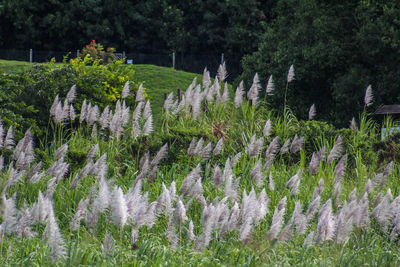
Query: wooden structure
388, 110
393, 110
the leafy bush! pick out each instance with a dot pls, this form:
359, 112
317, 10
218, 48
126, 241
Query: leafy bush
26, 98
96, 51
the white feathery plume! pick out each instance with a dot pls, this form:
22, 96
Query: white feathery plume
271, 184
125, 91
252, 94
256, 174
270, 86
217, 176
389, 168
54, 237
93, 115
147, 111
326, 223
236, 158
197, 189
148, 126
206, 152
255, 146
353, 125
277, 219
368, 186
25, 221
62, 151
337, 190
336, 150
108, 245
222, 73
245, 230
267, 128
218, 147
313, 207
9, 140
79, 215
9, 214
340, 168
297, 144
54, 106
72, 114
84, 112
171, 235
309, 240
231, 188
225, 95
312, 112
190, 232
382, 211
1, 163
239, 95
290, 76
168, 103
1, 134
314, 164
319, 188
71, 95
368, 98
140, 94
285, 147
199, 147
192, 147
272, 148
119, 210
161, 154
206, 78
180, 212
190, 180
92, 153
137, 112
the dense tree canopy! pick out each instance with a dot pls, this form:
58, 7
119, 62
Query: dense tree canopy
337, 47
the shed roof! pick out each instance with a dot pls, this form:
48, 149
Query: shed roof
387, 109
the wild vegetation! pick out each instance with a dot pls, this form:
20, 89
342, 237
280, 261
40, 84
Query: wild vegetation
222, 180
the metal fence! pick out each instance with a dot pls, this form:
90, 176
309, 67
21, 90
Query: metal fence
190, 63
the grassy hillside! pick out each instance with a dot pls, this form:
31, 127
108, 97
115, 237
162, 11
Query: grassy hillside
159, 80
13, 66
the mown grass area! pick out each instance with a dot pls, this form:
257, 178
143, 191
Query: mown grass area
159, 80
13, 66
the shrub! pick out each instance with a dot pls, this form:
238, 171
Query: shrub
26, 98
96, 51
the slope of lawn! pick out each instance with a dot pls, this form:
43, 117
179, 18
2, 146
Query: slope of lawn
159, 80
13, 66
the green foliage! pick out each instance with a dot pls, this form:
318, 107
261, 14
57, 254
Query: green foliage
26, 98
335, 56
388, 149
96, 51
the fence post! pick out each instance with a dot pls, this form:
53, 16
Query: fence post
123, 54
78, 53
173, 60
222, 58
178, 92
31, 55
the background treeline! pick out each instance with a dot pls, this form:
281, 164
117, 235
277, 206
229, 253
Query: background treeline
337, 47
